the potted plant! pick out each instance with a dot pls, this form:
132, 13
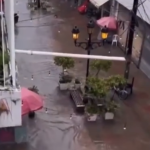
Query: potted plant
100, 65
98, 89
110, 107
77, 83
91, 112
65, 63
64, 82
116, 80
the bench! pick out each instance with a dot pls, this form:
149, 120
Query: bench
77, 98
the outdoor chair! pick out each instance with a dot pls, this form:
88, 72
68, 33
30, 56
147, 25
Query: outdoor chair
115, 39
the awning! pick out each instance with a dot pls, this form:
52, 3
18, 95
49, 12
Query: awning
98, 3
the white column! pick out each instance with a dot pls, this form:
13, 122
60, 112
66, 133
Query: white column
11, 37
117, 10
102, 11
114, 8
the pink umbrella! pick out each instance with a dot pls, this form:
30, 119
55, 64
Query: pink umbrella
109, 22
30, 101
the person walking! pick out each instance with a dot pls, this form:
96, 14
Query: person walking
104, 34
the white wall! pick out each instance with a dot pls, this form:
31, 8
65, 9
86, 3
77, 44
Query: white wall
12, 117
141, 13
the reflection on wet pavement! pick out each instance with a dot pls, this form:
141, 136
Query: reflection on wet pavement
53, 128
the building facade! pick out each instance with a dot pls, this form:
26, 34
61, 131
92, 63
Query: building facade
141, 41
11, 129
121, 10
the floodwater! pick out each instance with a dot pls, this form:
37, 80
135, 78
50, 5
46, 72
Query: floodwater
60, 127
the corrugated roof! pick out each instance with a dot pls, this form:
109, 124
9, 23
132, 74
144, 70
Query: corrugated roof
145, 15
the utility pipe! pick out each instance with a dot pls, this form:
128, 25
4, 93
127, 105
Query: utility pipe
70, 55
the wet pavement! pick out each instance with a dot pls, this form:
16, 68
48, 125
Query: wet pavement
55, 129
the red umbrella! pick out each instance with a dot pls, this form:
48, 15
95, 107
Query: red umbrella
109, 22
30, 101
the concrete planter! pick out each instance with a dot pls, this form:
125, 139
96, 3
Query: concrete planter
109, 116
91, 117
48, 9
77, 86
63, 86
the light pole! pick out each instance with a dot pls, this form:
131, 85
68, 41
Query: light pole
39, 3
88, 45
130, 39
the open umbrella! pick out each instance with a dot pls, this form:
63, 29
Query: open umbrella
30, 101
109, 22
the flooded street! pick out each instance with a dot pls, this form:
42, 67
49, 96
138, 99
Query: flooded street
60, 127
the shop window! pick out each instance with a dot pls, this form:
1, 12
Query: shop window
137, 44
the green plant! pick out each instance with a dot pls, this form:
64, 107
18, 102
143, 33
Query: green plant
6, 59
116, 80
64, 62
97, 87
92, 109
111, 106
99, 65
34, 89
77, 81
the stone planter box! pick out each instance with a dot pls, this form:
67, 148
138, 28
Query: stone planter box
63, 86
109, 116
91, 117
77, 86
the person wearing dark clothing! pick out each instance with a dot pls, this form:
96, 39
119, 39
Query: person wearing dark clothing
16, 18
76, 1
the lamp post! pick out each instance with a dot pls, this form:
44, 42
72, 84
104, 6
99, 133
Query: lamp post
89, 44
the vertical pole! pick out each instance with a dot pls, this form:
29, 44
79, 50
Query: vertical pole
3, 46
112, 8
101, 11
88, 52
130, 38
38, 3
11, 35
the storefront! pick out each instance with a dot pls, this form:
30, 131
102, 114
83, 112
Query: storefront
145, 56
123, 17
13, 135
102, 7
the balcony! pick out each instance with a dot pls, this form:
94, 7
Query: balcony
10, 98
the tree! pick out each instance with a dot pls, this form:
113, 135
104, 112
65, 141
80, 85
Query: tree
99, 65
64, 62
98, 87
116, 80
